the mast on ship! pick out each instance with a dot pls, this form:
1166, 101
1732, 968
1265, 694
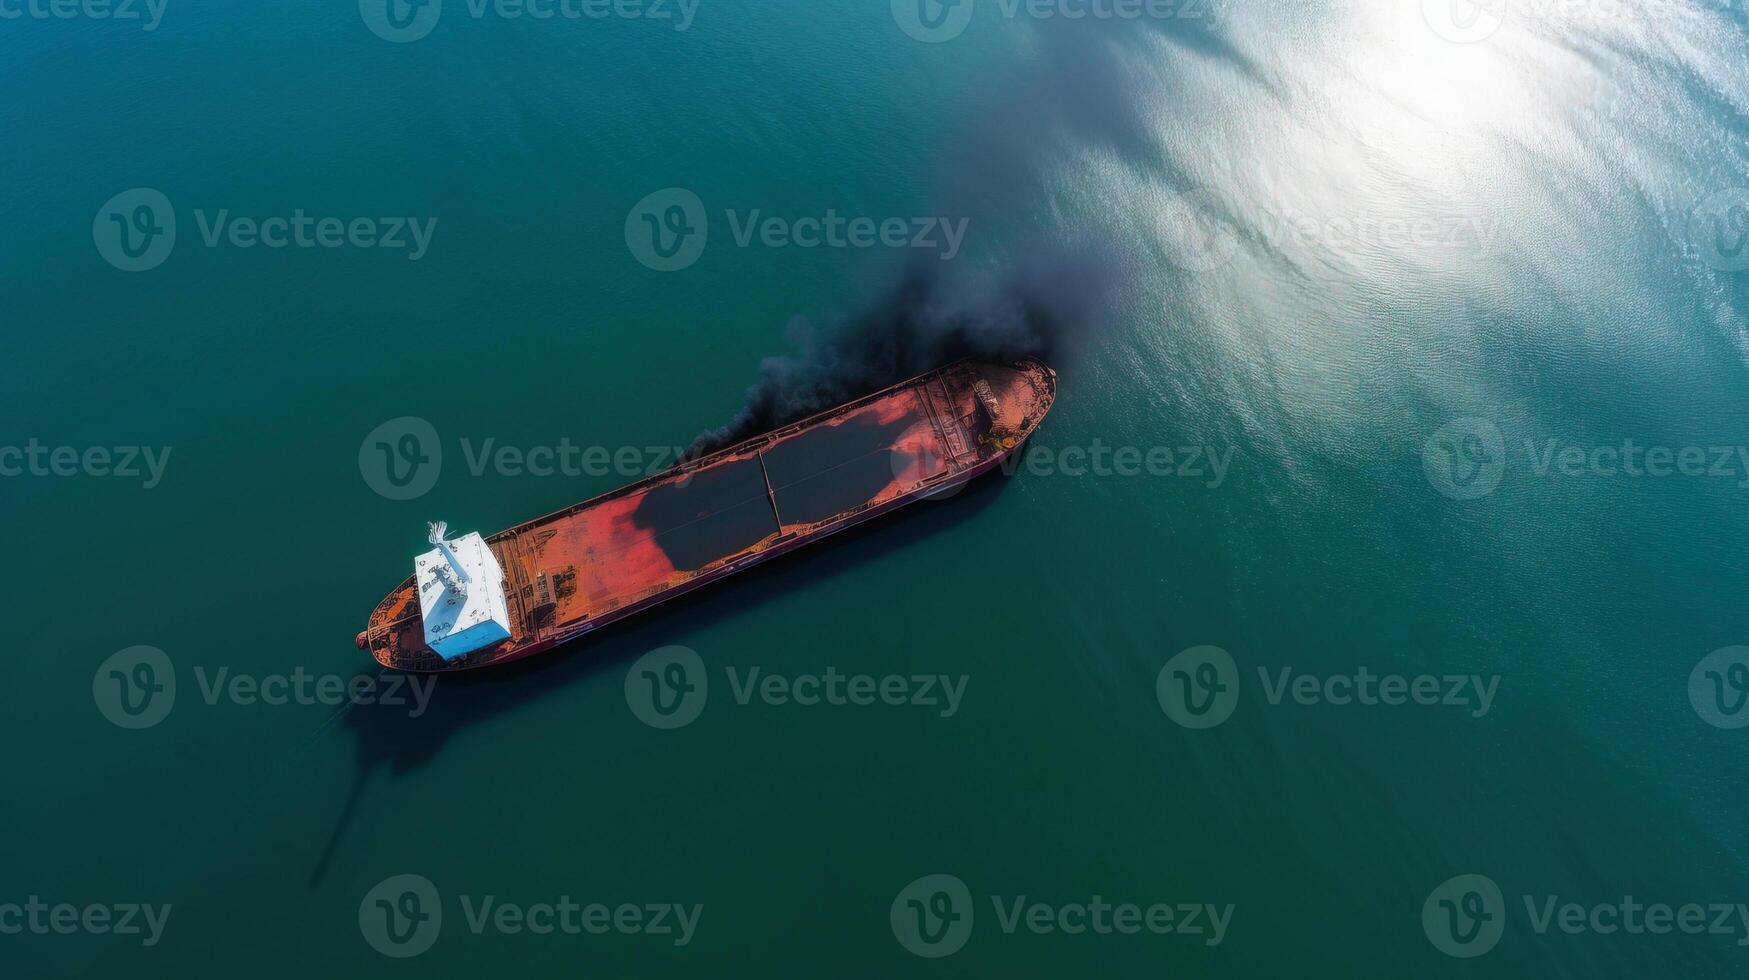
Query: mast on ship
452, 574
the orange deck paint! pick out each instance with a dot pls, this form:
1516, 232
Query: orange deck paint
570, 573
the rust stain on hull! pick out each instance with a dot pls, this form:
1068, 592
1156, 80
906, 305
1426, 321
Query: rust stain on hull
599, 561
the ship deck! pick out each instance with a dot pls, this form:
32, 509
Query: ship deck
606, 557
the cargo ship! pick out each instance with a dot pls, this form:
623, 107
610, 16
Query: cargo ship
474, 601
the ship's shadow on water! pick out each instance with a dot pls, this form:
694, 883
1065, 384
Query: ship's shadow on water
390, 739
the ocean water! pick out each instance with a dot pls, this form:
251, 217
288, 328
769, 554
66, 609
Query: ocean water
1402, 341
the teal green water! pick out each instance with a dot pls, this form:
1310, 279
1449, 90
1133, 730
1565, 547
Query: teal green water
1388, 277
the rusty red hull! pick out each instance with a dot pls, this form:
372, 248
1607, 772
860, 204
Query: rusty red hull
573, 572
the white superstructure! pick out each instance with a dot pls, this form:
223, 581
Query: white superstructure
461, 595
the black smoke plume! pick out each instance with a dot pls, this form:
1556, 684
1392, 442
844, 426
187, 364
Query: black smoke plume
1076, 92
921, 323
